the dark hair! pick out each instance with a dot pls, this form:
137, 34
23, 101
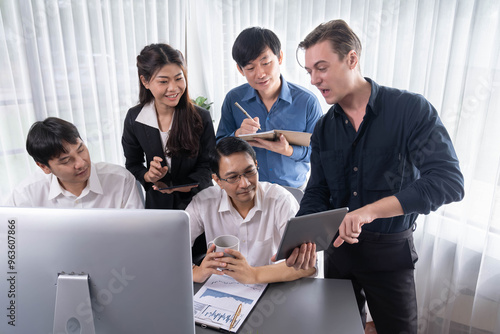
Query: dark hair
341, 36
187, 125
227, 146
251, 42
46, 139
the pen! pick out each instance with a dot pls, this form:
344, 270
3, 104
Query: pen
236, 314
244, 111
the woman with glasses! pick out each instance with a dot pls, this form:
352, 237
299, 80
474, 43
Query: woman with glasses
167, 131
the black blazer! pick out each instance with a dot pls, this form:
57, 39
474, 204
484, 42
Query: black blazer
140, 140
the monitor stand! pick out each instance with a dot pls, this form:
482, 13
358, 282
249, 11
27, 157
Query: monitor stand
73, 311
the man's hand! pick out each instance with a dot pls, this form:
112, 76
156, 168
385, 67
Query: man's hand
280, 146
208, 266
238, 267
350, 228
248, 126
156, 170
303, 257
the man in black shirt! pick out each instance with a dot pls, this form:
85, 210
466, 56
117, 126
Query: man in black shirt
386, 155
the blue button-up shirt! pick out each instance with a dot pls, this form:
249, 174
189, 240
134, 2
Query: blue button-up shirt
296, 109
401, 148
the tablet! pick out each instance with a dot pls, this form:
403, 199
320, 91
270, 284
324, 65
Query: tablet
179, 186
319, 227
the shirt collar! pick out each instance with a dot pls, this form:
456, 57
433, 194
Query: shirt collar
285, 93
147, 116
93, 185
55, 187
227, 205
371, 101
373, 96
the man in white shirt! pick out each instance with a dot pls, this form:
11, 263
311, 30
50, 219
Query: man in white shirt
69, 179
255, 212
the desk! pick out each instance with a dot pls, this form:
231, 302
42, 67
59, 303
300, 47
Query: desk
308, 305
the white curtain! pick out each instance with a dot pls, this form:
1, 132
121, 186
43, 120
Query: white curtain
76, 60
447, 51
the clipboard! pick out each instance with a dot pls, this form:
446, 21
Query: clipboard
293, 137
319, 228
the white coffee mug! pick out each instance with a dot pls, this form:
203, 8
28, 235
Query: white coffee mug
223, 242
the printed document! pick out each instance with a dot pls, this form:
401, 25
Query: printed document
218, 299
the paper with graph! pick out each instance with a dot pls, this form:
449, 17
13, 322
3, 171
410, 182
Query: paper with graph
216, 302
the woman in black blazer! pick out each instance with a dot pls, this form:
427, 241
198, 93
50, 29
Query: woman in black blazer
167, 129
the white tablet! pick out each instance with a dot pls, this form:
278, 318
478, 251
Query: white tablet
319, 228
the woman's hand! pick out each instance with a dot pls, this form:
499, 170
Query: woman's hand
156, 170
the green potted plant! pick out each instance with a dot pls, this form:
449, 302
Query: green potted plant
201, 101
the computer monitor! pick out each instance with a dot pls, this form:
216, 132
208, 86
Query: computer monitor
138, 263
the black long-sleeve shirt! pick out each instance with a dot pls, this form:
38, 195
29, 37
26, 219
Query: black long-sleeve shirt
401, 148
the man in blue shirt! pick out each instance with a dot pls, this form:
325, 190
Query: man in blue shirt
273, 103
386, 155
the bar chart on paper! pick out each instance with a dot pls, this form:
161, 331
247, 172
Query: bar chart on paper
217, 315
216, 302
227, 303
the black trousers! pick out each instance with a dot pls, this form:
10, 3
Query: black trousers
381, 268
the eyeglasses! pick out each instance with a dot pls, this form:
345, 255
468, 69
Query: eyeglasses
237, 178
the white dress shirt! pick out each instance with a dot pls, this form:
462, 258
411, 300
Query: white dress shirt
212, 212
109, 186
